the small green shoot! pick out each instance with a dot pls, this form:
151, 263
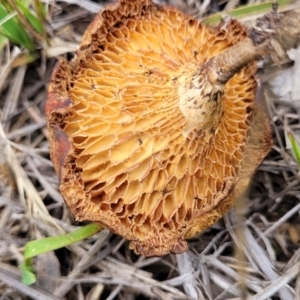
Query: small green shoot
47, 244
27, 273
295, 147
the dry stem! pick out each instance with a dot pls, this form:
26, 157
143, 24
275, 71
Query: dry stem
273, 34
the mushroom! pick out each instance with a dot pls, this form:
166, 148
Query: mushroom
141, 145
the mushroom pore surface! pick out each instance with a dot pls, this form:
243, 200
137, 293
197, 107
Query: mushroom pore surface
138, 143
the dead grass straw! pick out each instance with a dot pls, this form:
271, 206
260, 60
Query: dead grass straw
252, 254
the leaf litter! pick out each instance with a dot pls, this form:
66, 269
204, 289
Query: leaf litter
253, 253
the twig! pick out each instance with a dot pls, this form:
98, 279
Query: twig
273, 34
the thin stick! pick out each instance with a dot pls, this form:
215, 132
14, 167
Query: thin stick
273, 34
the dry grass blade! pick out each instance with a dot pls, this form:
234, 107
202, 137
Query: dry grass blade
44, 182
28, 194
13, 96
7, 67
258, 257
129, 276
283, 219
297, 290
279, 284
25, 130
102, 267
185, 268
82, 264
86, 4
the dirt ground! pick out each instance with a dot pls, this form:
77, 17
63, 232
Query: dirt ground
252, 253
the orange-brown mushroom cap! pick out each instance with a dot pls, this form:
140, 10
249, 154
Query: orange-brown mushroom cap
140, 147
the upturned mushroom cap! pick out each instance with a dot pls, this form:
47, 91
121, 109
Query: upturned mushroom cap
139, 144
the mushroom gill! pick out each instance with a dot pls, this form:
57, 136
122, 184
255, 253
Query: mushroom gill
139, 144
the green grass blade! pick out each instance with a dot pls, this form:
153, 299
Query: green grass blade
3, 41
40, 246
41, 9
244, 11
295, 147
10, 28
33, 20
26, 2
44, 245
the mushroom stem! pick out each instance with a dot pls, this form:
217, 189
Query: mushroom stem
272, 34
200, 103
